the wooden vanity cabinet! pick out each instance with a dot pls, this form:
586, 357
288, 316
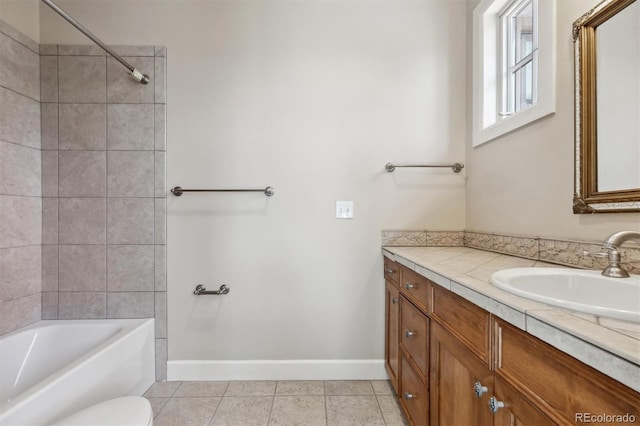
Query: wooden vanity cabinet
456, 350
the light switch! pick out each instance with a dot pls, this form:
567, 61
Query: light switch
344, 209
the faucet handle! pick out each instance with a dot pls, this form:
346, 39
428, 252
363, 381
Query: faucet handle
613, 269
597, 255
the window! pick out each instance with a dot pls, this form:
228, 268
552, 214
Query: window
513, 65
519, 66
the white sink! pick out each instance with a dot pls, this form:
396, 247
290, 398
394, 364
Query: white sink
574, 289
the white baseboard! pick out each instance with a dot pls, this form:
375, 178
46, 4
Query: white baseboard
340, 369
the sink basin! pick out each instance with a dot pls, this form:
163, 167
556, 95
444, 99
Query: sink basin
574, 289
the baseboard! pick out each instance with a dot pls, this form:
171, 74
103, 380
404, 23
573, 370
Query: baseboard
340, 369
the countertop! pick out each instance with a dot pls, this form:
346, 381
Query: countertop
608, 345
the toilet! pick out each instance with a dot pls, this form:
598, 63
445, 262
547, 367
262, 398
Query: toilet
123, 411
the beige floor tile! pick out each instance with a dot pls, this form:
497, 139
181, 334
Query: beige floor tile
243, 411
348, 387
187, 412
162, 389
391, 410
300, 387
157, 404
251, 388
382, 387
201, 389
298, 411
353, 410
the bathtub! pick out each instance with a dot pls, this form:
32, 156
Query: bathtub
51, 369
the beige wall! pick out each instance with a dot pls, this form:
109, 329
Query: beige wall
522, 182
312, 98
23, 15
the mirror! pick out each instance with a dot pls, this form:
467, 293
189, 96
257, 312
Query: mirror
607, 121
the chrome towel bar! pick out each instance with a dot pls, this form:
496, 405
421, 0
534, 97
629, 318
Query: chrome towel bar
178, 191
202, 290
456, 167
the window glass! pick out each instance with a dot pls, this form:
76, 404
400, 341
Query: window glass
523, 30
519, 35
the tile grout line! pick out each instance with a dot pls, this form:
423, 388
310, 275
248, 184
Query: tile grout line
324, 395
20, 42
213, 415
155, 311
273, 401
21, 94
106, 201
23, 145
57, 91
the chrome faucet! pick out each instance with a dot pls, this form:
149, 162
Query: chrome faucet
611, 243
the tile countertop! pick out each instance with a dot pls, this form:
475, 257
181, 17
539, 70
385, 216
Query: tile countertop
610, 346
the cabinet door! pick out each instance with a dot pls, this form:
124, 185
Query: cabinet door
392, 325
515, 409
454, 371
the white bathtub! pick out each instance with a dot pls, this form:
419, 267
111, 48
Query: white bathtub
54, 368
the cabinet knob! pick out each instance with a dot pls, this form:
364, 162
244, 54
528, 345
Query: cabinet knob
409, 333
495, 405
389, 271
407, 396
409, 286
479, 389
394, 300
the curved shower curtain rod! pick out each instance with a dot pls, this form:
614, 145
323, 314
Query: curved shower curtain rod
137, 75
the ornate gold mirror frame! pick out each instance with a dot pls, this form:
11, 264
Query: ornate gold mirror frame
586, 198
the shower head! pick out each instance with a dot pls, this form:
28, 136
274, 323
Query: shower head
139, 77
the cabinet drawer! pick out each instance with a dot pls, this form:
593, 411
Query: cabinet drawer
414, 335
466, 321
416, 288
391, 271
562, 386
414, 395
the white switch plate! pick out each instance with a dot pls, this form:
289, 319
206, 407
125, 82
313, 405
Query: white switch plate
344, 209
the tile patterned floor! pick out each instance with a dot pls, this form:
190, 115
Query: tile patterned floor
303, 403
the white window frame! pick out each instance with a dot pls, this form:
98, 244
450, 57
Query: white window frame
487, 121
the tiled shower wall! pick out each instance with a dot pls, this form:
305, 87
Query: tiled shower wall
103, 186
20, 181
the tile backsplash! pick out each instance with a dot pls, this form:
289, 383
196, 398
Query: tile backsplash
561, 252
